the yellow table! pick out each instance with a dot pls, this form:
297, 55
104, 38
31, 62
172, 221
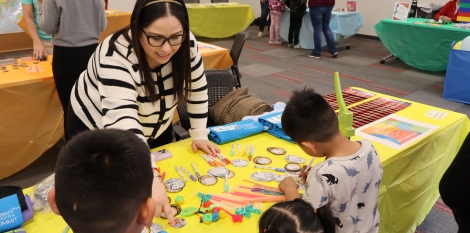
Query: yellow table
32, 117
219, 20
408, 190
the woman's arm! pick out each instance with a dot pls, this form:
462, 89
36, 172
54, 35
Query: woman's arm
31, 27
49, 16
104, 21
443, 11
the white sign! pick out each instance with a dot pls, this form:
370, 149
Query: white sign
401, 11
436, 114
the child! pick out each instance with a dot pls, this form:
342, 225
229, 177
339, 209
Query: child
297, 12
300, 215
276, 8
103, 183
349, 178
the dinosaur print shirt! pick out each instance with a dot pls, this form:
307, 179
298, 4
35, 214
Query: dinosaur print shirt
351, 186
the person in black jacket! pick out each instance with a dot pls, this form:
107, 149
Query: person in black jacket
455, 187
297, 11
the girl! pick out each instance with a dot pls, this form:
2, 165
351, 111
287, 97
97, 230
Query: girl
276, 8
136, 78
448, 13
296, 216
41, 41
320, 15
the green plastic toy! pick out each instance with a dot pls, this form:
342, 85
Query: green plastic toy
345, 117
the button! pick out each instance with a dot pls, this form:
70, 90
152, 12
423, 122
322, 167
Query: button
158, 74
162, 97
159, 121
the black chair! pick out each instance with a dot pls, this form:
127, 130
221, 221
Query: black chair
235, 53
217, 1
219, 84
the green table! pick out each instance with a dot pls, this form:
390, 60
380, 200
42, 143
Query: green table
420, 45
219, 20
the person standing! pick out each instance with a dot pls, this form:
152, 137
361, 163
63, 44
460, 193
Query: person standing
42, 45
320, 15
297, 12
264, 17
75, 26
276, 8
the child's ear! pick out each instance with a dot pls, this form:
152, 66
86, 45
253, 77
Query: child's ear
146, 212
309, 147
51, 201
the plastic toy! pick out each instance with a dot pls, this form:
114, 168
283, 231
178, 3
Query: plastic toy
207, 218
179, 200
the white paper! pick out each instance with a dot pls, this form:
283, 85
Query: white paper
436, 114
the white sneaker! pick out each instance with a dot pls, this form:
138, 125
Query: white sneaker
335, 54
297, 46
260, 34
290, 45
310, 55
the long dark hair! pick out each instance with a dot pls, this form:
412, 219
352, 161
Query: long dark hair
296, 216
142, 17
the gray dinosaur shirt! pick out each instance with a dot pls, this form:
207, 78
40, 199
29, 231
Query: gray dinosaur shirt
351, 184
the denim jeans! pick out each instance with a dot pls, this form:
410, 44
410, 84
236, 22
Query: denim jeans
320, 17
264, 15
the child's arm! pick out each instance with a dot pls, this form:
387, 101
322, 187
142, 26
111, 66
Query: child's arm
290, 188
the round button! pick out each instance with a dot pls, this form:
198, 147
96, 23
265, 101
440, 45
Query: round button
159, 121
159, 74
162, 98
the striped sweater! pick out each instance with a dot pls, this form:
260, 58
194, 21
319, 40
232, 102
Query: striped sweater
110, 93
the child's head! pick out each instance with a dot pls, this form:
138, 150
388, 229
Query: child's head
308, 118
296, 216
103, 183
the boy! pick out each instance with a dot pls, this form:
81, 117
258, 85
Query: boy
349, 178
297, 12
103, 183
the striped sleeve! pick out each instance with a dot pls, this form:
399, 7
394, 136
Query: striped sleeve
198, 100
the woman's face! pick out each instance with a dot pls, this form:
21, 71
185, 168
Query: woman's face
168, 27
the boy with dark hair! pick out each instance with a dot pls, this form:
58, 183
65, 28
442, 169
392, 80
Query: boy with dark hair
349, 178
103, 183
297, 12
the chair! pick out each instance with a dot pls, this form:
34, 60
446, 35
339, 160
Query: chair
219, 84
190, 1
235, 53
217, 1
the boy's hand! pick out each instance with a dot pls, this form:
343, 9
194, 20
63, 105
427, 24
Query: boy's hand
160, 198
303, 173
290, 188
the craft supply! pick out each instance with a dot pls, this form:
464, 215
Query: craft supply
240, 163
195, 170
181, 174
224, 198
232, 152
293, 167
246, 150
208, 180
262, 176
174, 185
207, 160
180, 222
215, 161
262, 160
226, 182
309, 164
271, 168
295, 159
238, 151
179, 200
277, 150
163, 176
218, 172
222, 158
231, 174
251, 153
189, 174
235, 217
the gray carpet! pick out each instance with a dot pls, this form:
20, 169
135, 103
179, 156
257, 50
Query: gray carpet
271, 72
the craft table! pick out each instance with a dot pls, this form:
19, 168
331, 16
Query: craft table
420, 45
32, 117
342, 24
219, 20
408, 190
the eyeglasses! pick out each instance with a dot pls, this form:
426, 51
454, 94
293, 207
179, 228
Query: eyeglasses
157, 41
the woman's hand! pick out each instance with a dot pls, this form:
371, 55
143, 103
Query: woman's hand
38, 50
160, 198
206, 146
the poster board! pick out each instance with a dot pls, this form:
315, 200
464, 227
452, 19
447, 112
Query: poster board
401, 11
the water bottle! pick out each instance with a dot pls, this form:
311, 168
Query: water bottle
413, 10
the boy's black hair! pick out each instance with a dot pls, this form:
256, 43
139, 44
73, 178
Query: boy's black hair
296, 216
309, 117
102, 178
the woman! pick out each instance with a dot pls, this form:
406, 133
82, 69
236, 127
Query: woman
75, 26
41, 41
137, 76
264, 15
448, 13
320, 15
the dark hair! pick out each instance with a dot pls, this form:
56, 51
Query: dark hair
102, 177
309, 117
142, 16
296, 216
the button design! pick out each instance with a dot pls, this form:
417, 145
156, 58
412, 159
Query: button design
159, 121
159, 74
162, 97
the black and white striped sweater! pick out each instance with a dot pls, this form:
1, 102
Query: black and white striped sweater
110, 93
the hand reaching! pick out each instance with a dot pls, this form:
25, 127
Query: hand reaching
206, 146
160, 198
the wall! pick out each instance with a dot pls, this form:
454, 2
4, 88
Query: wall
374, 10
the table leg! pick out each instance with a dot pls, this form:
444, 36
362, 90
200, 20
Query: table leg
385, 58
341, 43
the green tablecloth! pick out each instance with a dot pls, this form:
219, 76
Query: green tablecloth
419, 45
219, 20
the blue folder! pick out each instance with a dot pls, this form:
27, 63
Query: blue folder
273, 122
234, 131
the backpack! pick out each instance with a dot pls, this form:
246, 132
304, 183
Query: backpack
277, 5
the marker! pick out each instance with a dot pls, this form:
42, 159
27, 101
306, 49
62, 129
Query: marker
195, 170
207, 160
232, 152
214, 161
309, 164
189, 174
238, 151
163, 176
271, 168
251, 152
226, 182
246, 150
221, 157
181, 174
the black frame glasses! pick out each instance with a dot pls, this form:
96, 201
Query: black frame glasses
183, 36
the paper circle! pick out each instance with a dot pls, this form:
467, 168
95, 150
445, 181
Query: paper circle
293, 167
231, 174
262, 160
180, 222
240, 163
295, 159
262, 176
218, 172
277, 150
174, 185
208, 180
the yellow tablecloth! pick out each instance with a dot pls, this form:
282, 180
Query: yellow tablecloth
31, 115
219, 20
408, 190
